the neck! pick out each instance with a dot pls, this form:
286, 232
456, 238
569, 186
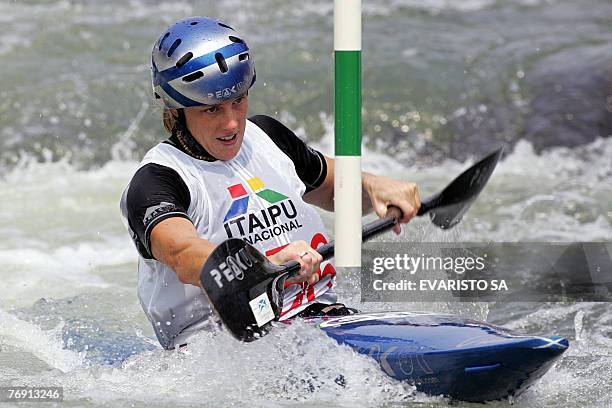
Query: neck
186, 142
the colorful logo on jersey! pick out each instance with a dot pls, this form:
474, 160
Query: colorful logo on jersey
240, 197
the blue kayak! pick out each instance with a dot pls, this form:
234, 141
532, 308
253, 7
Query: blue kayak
447, 355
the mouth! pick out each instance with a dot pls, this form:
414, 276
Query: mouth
228, 140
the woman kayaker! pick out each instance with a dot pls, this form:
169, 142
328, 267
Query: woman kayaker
220, 175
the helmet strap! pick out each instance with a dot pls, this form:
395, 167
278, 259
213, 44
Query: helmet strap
188, 143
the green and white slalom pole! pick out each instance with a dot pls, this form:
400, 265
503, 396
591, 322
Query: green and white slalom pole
347, 171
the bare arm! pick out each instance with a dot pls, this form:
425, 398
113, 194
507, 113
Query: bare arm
175, 242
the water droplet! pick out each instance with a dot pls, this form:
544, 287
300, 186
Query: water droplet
168, 323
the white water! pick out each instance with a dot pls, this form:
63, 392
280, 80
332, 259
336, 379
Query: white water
69, 315
75, 88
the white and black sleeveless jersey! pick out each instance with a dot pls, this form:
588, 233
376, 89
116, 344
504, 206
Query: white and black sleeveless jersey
256, 196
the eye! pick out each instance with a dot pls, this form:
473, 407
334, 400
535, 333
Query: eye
239, 100
212, 109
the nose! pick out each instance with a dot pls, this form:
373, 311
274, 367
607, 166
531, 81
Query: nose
230, 120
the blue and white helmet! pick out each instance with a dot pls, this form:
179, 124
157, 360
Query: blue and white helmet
200, 61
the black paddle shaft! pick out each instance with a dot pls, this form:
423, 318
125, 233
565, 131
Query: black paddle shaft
445, 208
369, 231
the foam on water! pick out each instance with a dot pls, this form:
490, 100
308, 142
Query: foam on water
62, 230
585, 372
561, 195
44, 345
32, 273
293, 365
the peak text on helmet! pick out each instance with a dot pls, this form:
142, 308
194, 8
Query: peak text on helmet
224, 93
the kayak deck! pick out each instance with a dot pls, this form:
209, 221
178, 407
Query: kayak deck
448, 355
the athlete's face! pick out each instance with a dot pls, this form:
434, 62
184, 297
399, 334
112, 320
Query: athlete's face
219, 128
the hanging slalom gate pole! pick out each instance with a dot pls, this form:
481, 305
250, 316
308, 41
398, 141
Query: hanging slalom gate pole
347, 172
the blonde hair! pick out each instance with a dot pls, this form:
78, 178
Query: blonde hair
169, 119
